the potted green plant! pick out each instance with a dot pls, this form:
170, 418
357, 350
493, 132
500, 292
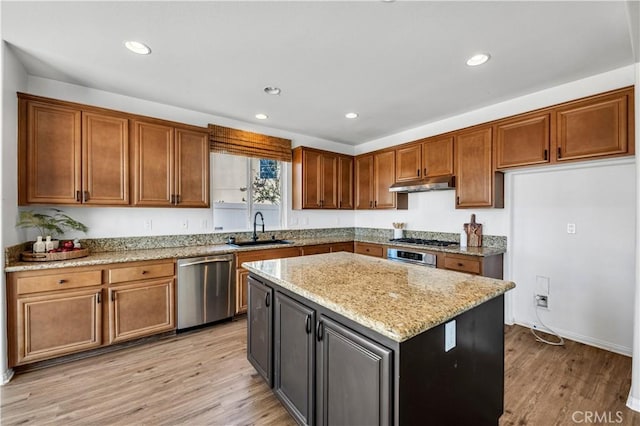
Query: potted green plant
54, 224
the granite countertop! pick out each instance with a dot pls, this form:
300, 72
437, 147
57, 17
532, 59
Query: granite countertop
397, 300
102, 258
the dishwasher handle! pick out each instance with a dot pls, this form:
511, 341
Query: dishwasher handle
200, 262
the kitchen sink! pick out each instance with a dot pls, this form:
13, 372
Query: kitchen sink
258, 243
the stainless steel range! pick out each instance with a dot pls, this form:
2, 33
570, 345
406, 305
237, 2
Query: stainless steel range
413, 255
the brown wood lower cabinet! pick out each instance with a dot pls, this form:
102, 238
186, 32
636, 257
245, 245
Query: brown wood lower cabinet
61, 323
487, 266
141, 309
370, 249
52, 313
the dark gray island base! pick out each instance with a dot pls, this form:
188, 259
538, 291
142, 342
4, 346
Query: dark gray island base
329, 369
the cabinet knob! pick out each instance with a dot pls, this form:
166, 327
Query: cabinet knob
145, 272
460, 264
62, 281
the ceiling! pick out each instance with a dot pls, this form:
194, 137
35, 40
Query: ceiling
398, 64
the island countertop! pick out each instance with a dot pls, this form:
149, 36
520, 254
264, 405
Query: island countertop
397, 300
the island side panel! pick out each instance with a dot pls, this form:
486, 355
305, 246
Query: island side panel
462, 386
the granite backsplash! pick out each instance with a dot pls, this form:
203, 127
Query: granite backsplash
97, 245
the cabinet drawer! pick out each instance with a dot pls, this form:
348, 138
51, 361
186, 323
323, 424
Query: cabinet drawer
369, 249
462, 264
140, 272
277, 253
60, 281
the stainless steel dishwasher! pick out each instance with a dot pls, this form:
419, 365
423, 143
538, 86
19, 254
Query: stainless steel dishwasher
206, 290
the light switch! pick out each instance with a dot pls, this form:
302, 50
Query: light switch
449, 335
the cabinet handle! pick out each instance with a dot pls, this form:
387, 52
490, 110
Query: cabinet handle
546, 155
78, 196
62, 281
177, 199
458, 200
320, 330
418, 172
340, 204
425, 171
85, 196
98, 298
173, 199
370, 204
113, 295
559, 152
307, 324
375, 203
267, 300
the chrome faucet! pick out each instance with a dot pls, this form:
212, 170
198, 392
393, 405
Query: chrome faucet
254, 237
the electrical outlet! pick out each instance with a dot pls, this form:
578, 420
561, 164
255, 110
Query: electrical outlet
571, 228
147, 224
542, 301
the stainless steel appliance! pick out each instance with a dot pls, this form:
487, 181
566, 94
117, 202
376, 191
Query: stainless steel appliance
412, 256
206, 290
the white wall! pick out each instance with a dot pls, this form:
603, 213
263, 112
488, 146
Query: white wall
591, 274
14, 78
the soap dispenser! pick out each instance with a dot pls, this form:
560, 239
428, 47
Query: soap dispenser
463, 238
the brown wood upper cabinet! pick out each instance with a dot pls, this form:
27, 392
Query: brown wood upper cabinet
476, 185
427, 158
322, 179
523, 141
71, 156
375, 173
595, 127
170, 165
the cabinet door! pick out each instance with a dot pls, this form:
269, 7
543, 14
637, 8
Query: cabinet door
473, 169
345, 182
294, 357
384, 165
153, 164
311, 179
523, 141
242, 275
191, 168
353, 378
259, 331
141, 309
364, 182
437, 157
105, 159
58, 324
329, 187
409, 163
593, 128
53, 154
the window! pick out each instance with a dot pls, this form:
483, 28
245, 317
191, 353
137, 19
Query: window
241, 186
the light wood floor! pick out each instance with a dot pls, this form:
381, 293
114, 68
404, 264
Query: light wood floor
203, 378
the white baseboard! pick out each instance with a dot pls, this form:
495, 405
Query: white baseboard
587, 340
6, 376
633, 403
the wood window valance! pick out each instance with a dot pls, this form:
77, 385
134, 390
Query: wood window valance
239, 142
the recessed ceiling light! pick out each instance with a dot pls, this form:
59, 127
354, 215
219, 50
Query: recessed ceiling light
478, 59
269, 90
262, 116
137, 47
351, 115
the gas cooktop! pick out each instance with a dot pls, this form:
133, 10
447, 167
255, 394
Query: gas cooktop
422, 242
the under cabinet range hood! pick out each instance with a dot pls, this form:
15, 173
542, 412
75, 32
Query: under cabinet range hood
423, 185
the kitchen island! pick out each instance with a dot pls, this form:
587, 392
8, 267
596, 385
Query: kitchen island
349, 339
